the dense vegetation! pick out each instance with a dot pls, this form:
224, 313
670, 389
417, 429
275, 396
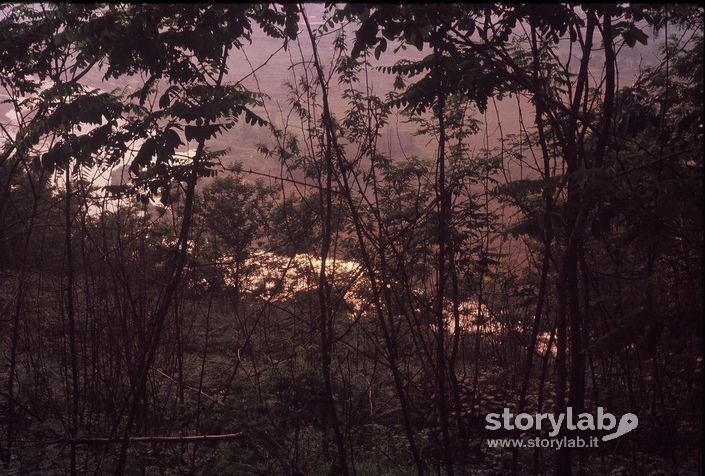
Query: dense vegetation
363, 310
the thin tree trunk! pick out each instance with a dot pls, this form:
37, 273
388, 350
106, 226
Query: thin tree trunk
325, 309
547, 235
443, 232
367, 261
324, 295
6, 453
568, 305
452, 361
147, 357
71, 314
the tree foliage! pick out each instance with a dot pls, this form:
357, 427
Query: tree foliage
451, 209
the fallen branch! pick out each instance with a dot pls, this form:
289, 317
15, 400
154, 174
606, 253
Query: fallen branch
154, 439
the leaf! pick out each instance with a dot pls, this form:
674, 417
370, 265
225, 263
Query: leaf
146, 89
365, 36
417, 40
202, 133
144, 156
171, 139
634, 34
254, 119
165, 99
56, 156
381, 47
640, 36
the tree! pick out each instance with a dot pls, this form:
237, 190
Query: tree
236, 214
541, 249
186, 47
